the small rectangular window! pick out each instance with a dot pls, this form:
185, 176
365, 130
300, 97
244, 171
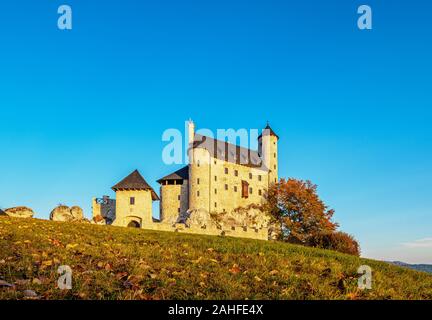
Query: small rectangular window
236, 173
178, 198
132, 200
260, 192
215, 204
197, 180
226, 187
198, 163
250, 190
215, 191
178, 210
235, 188
274, 154
250, 175
215, 178
215, 161
275, 167
226, 170
197, 193
259, 178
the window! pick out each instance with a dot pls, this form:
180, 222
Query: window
245, 189
250, 190
198, 163
274, 154
215, 178
178, 210
226, 170
197, 193
260, 192
235, 188
250, 175
259, 178
226, 187
178, 198
215, 204
132, 201
197, 180
215, 191
236, 173
215, 161
275, 167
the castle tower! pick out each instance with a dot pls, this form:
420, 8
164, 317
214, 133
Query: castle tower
199, 180
268, 150
199, 172
134, 198
174, 194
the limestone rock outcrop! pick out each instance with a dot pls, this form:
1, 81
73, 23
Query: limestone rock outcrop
66, 214
19, 212
2, 213
251, 216
77, 213
197, 217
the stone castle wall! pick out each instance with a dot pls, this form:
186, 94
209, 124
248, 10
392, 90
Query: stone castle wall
139, 212
238, 232
216, 185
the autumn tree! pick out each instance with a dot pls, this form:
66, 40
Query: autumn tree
298, 211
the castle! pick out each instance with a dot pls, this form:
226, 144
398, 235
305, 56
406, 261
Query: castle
218, 193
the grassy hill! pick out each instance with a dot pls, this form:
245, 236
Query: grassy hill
120, 263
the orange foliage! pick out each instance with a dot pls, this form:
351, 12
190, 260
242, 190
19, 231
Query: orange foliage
300, 213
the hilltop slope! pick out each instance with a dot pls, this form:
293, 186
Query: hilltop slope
119, 263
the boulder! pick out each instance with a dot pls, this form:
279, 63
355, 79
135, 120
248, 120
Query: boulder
19, 212
77, 213
65, 214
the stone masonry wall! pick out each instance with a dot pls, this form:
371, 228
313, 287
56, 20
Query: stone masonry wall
140, 212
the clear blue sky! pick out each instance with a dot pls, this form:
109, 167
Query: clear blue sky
81, 109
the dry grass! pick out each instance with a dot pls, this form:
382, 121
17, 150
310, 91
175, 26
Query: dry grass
120, 263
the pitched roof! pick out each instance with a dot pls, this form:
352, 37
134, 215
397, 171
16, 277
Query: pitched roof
135, 181
181, 174
229, 152
271, 132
